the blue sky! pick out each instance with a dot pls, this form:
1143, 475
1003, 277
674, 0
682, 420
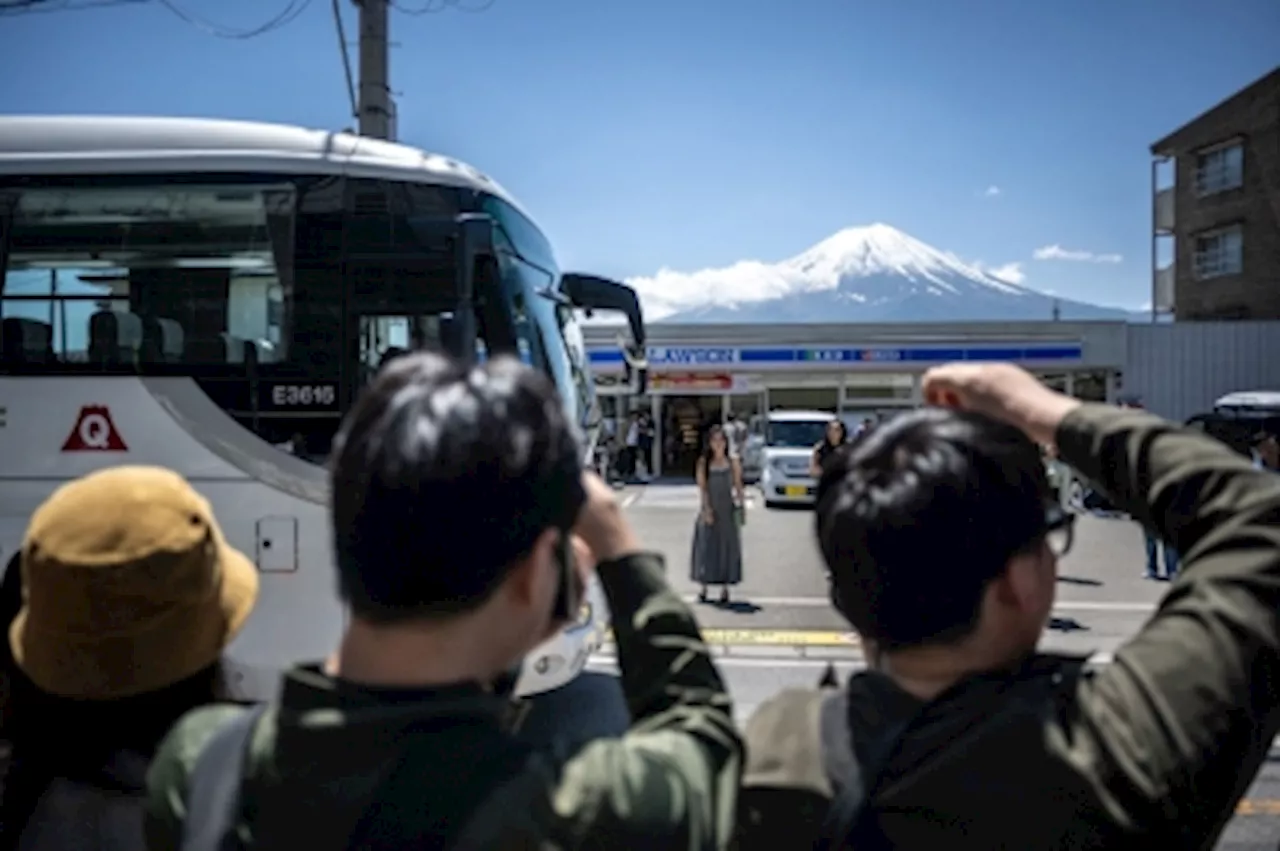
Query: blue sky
682, 134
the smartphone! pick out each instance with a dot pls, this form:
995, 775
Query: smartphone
570, 589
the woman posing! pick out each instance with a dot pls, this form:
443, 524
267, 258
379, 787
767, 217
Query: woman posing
837, 435
717, 541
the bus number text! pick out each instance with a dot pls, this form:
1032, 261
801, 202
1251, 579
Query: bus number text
303, 395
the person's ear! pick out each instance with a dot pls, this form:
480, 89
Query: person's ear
528, 577
1020, 585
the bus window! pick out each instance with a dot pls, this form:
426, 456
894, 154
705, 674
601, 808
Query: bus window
153, 275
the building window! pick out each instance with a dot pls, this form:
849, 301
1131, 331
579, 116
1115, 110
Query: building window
1220, 168
1219, 253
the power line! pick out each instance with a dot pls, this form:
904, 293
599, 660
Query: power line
286, 16
346, 59
432, 7
292, 10
13, 8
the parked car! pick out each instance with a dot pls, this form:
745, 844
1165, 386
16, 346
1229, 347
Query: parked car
1237, 417
789, 440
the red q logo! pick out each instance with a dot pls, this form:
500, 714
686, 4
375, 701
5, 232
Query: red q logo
94, 432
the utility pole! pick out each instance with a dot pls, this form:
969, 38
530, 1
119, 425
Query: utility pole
375, 78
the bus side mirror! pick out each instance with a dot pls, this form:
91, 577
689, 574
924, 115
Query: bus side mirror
591, 293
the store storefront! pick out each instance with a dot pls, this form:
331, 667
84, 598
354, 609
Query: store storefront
692, 386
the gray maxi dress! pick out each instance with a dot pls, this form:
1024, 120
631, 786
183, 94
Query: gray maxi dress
717, 548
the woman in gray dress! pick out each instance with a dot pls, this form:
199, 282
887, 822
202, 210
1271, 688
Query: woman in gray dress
717, 540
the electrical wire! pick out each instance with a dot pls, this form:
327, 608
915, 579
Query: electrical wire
346, 59
286, 16
432, 7
34, 7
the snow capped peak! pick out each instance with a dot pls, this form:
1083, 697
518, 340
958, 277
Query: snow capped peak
870, 273
880, 249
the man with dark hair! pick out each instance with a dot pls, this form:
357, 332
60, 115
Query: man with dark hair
942, 538
459, 506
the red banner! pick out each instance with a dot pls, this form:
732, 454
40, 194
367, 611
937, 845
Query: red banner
691, 381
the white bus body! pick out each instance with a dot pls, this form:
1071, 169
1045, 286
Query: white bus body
210, 296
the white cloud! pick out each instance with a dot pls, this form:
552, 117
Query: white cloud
670, 291
991, 191
1010, 272
1057, 252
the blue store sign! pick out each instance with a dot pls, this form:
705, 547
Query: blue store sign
781, 356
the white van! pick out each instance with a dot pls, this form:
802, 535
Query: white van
789, 440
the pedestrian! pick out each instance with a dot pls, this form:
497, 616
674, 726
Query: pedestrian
129, 595
1266, 451
644, 446
943, 539
717, 538
1155, 549
836, 435
631, 448
736, 431
463, 526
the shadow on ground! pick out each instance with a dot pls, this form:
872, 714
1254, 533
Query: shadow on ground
1080, 580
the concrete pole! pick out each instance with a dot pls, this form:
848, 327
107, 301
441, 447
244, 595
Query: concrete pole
375, 82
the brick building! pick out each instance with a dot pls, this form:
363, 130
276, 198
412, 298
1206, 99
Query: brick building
1222, 211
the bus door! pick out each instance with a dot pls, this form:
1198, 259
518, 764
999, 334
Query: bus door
383, 336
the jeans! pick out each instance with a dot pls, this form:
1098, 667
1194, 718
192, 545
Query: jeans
1153, 558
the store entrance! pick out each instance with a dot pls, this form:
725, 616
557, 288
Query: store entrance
685, 419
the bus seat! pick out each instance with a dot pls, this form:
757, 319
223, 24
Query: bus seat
162, 340
115, 337
26, 340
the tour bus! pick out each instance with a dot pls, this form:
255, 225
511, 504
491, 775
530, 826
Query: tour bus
211, 296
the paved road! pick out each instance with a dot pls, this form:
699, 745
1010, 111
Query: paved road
780, 631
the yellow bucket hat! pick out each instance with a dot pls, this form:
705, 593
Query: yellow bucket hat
128, 586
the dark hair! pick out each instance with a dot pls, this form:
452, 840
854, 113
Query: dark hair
443, 476
708, 454
844, 431
917, 517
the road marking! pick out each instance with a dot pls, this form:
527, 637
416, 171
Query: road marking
629, 499
609, 660
1064, 605
1258, 807
775, 637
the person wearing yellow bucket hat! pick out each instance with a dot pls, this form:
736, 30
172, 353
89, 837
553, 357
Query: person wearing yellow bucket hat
129, 596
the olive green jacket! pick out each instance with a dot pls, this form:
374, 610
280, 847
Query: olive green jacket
1152, 750
329, 748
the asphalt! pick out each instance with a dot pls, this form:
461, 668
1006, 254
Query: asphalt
780, 631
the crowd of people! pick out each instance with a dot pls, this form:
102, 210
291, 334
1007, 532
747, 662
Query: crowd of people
463, 526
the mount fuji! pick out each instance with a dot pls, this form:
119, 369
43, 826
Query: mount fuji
861, 274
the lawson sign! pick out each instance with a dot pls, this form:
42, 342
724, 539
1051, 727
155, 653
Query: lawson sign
781, 357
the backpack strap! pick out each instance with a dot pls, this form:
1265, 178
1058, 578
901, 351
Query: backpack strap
846, 818
213, 787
